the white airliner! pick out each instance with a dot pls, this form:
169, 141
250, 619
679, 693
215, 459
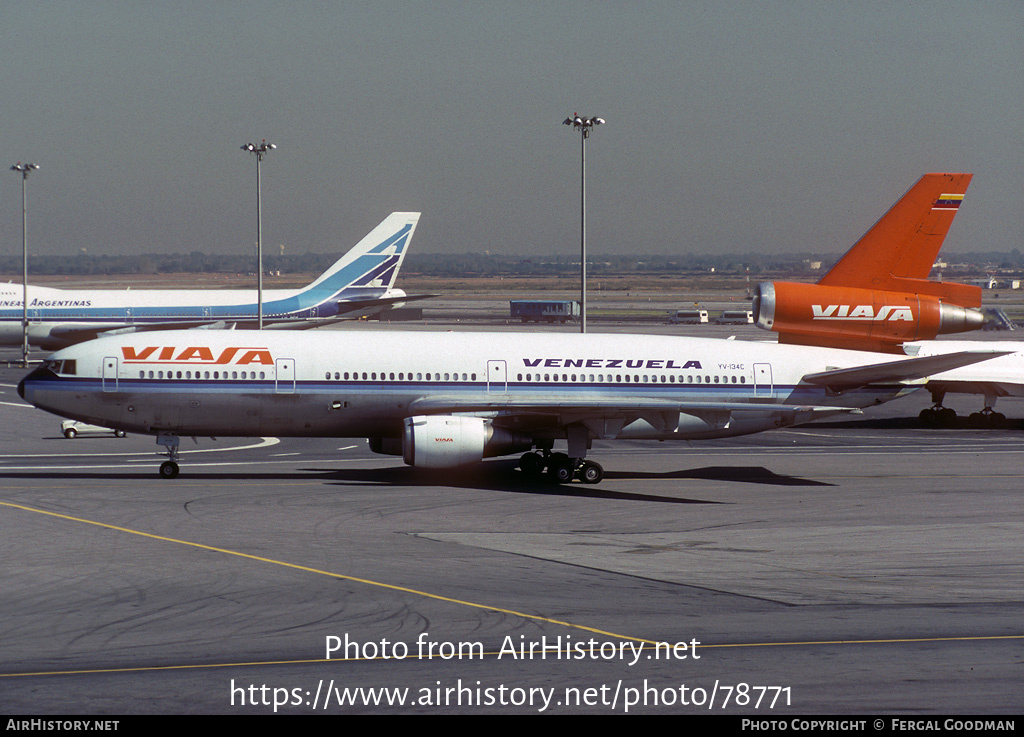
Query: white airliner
448, 399
1000, 377
359, 283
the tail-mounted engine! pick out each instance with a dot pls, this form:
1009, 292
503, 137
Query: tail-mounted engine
850, 317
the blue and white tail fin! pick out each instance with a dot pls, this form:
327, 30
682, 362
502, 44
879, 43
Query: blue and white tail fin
374, 261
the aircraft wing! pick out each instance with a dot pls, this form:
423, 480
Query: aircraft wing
906, 370
605, 417
604, 414
76, 333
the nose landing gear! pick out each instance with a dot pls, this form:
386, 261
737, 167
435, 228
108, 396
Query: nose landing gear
169, 468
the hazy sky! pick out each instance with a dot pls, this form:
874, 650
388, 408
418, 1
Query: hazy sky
732, 126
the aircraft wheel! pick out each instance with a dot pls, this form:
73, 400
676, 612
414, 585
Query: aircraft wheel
120, 433
591, 472
70, 433
531, 464
947, 417
929, 417
168, 469
977, 419
997, 419
561, 469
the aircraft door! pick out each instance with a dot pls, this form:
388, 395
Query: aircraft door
284, 382
497, 377
110, 374
763, 380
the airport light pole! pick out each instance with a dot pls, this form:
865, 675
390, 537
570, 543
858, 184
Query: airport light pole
584, 126
261, 150
24, 170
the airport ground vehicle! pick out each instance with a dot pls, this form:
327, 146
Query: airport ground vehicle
73, 428
688, 317
538, 310
735, 317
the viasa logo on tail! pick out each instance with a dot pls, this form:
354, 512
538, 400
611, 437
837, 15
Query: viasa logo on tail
197, 355
863, 313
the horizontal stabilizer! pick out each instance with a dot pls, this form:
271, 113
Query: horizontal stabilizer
352, 308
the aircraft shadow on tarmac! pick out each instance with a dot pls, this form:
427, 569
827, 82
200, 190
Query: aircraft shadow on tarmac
503, 476
962, 422
492, 476
741, 474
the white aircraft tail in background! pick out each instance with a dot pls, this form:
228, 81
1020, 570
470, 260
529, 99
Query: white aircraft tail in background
360, 283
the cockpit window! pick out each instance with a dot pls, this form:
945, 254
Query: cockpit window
69, 366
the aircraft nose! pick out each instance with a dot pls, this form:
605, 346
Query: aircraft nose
40, 374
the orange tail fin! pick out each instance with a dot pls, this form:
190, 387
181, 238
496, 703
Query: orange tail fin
897, 253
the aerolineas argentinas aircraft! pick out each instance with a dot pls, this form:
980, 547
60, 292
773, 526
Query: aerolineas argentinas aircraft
448, 399
359, 283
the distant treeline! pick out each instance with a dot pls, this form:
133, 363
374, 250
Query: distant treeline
467, 264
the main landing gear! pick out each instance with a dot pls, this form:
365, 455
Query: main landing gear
988, 417
560, 468
939, 416
945, 417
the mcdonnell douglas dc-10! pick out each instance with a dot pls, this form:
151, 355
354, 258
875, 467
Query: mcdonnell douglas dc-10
443, 400
359, 283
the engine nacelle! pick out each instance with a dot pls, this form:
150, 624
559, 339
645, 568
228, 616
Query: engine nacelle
446, 441
850, 317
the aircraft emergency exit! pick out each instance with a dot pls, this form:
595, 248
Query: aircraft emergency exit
443, 400
360, 283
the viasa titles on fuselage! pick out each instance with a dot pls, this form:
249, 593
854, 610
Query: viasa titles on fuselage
443, 400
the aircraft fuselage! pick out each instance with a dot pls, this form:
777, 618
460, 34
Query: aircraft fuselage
242, 383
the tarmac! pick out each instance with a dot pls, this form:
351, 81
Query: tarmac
863, 566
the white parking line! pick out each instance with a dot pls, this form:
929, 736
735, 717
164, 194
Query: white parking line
264, 443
